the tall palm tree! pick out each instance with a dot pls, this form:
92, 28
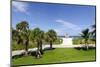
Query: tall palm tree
15, 36
22, 26
85, 35
50, 37
22, 29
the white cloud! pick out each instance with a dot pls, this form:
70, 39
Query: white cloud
69, 28
60, 31
20, 6
69, 25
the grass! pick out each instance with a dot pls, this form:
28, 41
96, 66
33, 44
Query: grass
58, 55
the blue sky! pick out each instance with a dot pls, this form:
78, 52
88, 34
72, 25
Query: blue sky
70, 19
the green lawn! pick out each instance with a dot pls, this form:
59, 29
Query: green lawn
58, 55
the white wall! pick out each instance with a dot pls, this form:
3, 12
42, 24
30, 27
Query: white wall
67, 41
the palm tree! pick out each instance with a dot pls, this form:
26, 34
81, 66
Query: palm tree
37, 36
23, 32
15, 36
22, 26
50, 37
93, 31
41, 37
85, 35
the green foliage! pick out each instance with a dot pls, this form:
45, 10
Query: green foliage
36, 34
93, 33
22, 30
20, 46
51, 35
78, 41
58, 41
85, 35
22, 26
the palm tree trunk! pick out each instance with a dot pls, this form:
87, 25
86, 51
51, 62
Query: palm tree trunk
86, 45
51, 44
41, 47
26, 47
38, 53
38, 47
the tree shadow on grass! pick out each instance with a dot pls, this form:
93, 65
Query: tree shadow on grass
14, 66
48, 48
18, 56
31, 53
85, 48
34, 54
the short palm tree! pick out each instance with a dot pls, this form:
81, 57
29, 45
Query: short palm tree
85, 35
94, 31
50, 37
41, 40
37, 36
94, 28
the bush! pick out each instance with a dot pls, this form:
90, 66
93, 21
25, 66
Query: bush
78, 41
16, 46
58, 41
